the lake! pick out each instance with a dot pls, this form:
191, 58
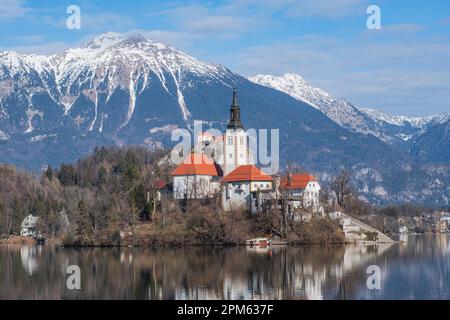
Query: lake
416, 269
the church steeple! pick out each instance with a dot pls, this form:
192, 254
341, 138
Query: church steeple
235, 114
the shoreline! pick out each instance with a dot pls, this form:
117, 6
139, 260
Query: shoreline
59, 243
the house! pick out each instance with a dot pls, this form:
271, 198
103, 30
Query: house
197, 177
301, 191
247, 186
335, 211
161, 189
29, 226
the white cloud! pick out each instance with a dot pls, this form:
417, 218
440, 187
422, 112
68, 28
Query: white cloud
223, 22
405, 76
328, 9
106, 21
11, 9
43, 49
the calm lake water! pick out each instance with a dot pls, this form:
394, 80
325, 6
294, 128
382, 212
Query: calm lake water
417, 269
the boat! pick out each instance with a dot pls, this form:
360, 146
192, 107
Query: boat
258, 242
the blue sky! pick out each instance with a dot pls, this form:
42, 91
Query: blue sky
404, 68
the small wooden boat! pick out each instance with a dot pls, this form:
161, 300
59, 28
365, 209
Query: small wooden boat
258, 242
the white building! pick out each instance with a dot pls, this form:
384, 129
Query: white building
29, 226
301, 191
335, 211
197, 177
246, 187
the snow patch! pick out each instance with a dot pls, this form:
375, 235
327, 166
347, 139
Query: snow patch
42, 137
132, 101
31, 114
167, 128
380, 192
415, 122
3, 136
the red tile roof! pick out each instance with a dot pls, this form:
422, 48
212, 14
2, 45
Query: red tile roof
246, 173
159, 184
197, 164
297, 181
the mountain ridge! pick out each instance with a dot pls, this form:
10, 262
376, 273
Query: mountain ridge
402, 131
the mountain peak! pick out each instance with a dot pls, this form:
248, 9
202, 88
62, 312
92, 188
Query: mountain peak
112, 39
296, 86
105, 40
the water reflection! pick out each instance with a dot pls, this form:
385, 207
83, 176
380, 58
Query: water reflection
28, 258
418, 269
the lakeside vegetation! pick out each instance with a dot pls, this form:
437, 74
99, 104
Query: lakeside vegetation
109, 199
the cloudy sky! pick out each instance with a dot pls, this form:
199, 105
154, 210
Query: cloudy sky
403, 68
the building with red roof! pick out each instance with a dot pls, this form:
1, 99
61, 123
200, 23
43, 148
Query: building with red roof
301, 190
247, 187
297, 181
197, 164
196, 177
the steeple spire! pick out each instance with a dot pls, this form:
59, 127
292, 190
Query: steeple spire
235, 114
234, 103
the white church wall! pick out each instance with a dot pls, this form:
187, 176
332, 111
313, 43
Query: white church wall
195, 187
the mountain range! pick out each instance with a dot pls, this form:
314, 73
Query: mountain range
126, 89
402, 131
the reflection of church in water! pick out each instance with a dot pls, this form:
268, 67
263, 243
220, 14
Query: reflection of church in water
295, 279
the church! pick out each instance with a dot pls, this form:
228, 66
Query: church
224, 166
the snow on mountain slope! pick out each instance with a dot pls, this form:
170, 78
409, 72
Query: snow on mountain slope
389, 128
3, 136
338, 110
110, 61
416, 122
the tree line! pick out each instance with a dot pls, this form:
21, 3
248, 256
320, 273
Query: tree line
110, 197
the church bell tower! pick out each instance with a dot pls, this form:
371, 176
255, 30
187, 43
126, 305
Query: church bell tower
235, 114
235, 140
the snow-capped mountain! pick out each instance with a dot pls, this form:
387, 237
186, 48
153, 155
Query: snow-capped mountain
399, 130
338, 110
109, 62
416, 122
127, 89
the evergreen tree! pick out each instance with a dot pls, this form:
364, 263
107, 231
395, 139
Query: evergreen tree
66, 175
49, 173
